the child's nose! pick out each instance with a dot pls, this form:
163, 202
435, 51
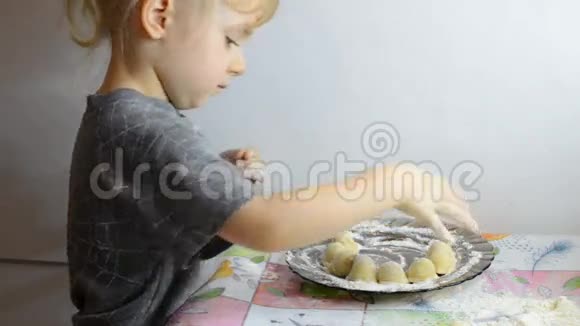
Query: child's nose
237, 66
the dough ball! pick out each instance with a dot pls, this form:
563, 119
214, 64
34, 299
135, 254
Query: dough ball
346, 235
363, 269
421, 270
392, 272
342, 263
346, 238
331, 251
443, 257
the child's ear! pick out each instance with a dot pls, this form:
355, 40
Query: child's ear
155, 17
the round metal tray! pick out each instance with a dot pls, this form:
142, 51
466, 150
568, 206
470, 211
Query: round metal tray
394, 240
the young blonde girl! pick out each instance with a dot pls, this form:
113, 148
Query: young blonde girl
149, 198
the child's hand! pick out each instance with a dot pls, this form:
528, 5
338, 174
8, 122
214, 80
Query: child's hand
429, 199
248, 160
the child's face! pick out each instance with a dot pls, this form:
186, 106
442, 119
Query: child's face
200, 59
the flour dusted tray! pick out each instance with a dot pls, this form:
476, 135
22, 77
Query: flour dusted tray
394, 240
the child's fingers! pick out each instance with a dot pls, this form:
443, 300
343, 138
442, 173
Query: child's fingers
249, 154
458, 216
427, 217
250, 164
434, 222
240, 155
252, 170
254, 175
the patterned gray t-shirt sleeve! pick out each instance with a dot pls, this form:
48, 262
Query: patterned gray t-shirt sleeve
147, 198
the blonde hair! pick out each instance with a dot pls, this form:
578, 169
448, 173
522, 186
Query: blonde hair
110, 17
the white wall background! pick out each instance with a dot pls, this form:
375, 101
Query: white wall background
492, 81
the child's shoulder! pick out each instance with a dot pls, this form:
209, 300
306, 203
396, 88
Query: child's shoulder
127, 111
129, 103
128, 119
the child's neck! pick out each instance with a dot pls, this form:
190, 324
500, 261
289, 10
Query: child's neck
139, 77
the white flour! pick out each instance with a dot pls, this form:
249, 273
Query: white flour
379, 226
501, 310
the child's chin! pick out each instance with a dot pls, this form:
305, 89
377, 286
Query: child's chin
191, 104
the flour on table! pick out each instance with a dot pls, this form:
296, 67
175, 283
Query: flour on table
494, 310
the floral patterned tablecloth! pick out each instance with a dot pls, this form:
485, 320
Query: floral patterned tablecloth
253, 288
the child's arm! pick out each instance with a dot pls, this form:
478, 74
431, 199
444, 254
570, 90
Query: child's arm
280, 223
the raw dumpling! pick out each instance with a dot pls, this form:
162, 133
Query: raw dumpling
331, 251
421, 270
346, 239
363, 269
443, 257
341, 263
391, 272
346, 235
339, 255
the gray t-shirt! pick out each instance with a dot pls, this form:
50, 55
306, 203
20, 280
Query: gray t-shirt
147, 198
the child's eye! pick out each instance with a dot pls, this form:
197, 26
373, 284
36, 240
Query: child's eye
230, 41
